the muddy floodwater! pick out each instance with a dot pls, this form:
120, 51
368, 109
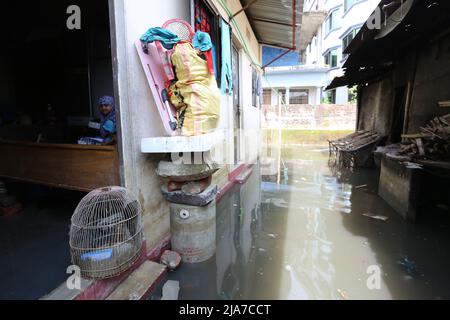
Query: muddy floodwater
299, 230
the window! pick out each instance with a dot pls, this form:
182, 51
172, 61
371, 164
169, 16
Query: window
331, 96
298, 96
331, 58
205, 20
255, 88
349, 38
353, 95
349, 3
331, 22
282, 94
267, 96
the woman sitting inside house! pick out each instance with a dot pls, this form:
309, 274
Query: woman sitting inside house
107, 123
108, 119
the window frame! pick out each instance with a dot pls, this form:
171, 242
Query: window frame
332, 16
267, 96
215, 33
347, 7
332, 94
353, 32
329, 53
301, 97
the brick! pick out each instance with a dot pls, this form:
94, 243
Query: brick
186, 172
171, 259
196, 200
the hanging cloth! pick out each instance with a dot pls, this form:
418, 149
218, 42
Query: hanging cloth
227, 73
202, 41
167, 38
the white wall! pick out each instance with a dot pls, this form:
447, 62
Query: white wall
296, 78
251, 116
342, 95
138, 116
137, 111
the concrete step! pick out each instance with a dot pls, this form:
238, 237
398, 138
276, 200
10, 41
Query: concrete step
140, 284
244, 175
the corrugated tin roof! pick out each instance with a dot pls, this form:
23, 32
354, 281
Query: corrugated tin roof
273, 21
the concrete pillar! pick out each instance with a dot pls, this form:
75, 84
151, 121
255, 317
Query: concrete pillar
342, 95
318, 96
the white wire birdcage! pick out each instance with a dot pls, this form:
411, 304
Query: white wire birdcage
106, 233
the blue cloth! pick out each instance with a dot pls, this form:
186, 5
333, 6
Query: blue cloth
202, 41
227, 72
167, 38
108, 122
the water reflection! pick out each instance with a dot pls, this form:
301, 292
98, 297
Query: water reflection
300, 234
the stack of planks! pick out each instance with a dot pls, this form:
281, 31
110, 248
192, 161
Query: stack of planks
432, 143
354, 150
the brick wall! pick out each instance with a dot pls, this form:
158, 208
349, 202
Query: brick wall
309, 117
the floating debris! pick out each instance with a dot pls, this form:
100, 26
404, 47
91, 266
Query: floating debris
361, 186
171, 290
376, 217
412, 165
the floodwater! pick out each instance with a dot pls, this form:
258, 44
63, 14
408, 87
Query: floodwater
299, 232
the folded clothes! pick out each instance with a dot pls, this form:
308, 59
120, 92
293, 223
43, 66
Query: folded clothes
91, 141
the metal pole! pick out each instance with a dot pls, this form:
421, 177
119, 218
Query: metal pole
278, 57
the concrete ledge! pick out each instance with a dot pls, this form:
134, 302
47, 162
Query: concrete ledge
177, 144
101, 289
233, 179
141, 283
233, 174
156, 252
400, 187
245, 175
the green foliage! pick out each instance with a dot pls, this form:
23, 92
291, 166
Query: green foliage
353, 95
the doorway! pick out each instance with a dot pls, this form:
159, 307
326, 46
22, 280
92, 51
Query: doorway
236, 106
398, 114
50, 80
